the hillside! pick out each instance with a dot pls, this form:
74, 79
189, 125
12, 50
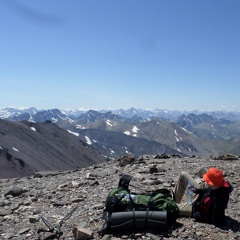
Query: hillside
156, 132
231, 145
115, 144
26, 147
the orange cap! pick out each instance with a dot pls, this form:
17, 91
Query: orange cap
214, 176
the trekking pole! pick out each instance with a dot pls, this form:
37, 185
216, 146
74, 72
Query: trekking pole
55, 229
65, 218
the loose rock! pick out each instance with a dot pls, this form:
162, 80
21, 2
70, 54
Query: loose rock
52, 195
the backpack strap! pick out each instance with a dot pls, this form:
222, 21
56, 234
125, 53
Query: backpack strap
124, 181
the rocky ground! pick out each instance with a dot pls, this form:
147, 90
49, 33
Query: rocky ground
52, 195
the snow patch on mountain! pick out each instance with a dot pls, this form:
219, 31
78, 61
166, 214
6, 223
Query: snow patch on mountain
15, 149
54, 120
70, 120
135, 129
108, 123
74, 133
88, 140
80, 127
33, 128
185, 129
112, 152
213, 128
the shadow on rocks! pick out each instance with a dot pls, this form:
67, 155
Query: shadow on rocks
152, 233
177, 225
232, 224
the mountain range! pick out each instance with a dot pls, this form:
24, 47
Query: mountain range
171, 115
113, 134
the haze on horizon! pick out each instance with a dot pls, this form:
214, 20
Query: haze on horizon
176, 55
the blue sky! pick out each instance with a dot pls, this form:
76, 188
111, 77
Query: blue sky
107, 54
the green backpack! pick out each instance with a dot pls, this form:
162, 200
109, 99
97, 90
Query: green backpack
156, 209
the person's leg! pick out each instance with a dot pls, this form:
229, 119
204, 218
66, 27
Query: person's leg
179, 190
185, 209
181, 185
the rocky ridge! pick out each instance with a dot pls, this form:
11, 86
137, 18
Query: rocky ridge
23, 201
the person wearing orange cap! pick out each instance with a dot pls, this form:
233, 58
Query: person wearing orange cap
208, 203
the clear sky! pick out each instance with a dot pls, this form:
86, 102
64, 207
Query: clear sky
106, 54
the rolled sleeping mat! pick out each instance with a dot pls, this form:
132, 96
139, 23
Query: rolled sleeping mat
138, 220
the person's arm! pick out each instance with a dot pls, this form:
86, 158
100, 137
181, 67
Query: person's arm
200, 190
